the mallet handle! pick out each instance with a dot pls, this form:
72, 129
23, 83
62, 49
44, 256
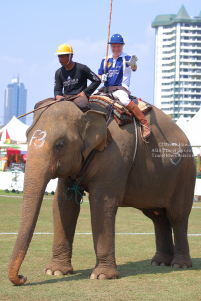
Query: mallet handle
49, 104
108, 38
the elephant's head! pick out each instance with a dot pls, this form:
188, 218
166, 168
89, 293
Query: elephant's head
60, 138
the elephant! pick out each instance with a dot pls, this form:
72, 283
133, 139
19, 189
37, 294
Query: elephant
156, 176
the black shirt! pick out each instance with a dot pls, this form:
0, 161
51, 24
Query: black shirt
74, 81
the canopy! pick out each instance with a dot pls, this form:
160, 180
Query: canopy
193, 130
12, 151
182, 123
15, 129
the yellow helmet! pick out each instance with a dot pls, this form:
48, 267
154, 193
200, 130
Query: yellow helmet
64, 49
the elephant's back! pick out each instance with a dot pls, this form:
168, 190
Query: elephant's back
164, 127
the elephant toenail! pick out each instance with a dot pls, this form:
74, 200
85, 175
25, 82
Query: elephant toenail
93, 276
58, 273
176, 266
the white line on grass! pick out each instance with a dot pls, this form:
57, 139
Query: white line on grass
21, 196
16, 196
49, 233
11, 196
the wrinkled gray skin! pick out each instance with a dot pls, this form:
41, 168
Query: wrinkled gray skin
160, 186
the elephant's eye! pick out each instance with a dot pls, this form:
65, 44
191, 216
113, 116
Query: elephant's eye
60, 145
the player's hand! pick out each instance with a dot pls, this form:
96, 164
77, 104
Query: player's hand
59, 97
132, 61
104, 78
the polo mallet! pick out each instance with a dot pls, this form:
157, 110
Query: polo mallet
104, 77
46, 105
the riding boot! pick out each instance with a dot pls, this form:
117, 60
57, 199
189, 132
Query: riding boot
146, 128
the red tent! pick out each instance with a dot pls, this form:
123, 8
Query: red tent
12, 151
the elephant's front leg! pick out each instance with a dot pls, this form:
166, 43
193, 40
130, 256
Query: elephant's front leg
65, 214
103, 212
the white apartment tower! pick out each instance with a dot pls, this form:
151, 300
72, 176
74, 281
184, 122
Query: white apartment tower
177, 86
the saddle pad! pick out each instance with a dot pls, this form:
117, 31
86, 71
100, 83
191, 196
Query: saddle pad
108, 100
121, 114
142, 105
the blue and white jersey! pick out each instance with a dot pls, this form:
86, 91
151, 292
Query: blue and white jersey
119, 73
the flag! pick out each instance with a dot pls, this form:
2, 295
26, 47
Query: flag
7, 137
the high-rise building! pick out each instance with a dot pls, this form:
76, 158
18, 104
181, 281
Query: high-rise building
177, 86
15, 101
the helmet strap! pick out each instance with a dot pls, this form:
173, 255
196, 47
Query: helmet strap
68, 59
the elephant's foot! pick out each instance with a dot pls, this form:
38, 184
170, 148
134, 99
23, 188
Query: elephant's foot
181, 261
104, 273
57, 268
162, 259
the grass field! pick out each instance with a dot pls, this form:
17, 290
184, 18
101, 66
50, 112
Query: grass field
138, 279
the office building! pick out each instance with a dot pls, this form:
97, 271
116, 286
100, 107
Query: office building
15, 101
177, 86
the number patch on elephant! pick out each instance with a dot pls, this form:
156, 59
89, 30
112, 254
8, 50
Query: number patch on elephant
38, 138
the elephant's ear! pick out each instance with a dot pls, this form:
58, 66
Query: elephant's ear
94, 132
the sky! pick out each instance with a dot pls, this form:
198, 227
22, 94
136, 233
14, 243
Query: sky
31, 31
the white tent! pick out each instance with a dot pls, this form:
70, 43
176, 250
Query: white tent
182, 123
16, 130
193, 130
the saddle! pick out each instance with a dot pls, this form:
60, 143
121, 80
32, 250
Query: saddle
120, 112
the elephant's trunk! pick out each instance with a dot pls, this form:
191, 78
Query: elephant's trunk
34, 187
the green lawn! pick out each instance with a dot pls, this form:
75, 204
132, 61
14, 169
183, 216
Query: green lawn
138, 279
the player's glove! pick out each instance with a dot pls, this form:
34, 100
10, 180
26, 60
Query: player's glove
132, 61
104, 78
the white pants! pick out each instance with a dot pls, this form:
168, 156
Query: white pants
123, 97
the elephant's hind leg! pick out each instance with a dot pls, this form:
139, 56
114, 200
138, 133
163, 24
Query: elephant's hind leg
178, 213
65, 215
163, 233
181, 253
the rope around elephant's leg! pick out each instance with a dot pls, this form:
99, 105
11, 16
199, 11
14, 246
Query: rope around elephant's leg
78, 190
